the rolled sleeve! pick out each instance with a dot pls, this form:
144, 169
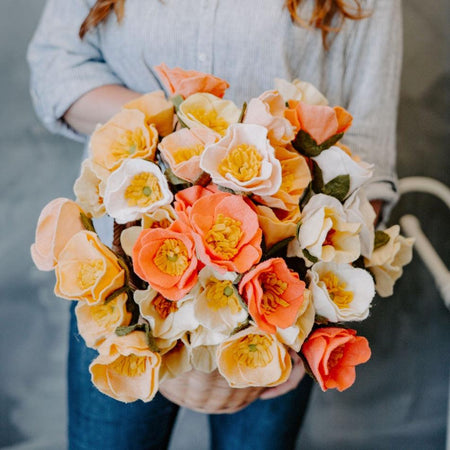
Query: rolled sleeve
371, 86
64, 67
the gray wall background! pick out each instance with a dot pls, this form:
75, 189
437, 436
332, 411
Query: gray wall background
400, 399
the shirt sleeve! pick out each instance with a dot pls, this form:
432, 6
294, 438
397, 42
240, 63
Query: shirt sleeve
371, 91
64, 67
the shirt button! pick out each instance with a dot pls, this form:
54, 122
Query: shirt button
202, 57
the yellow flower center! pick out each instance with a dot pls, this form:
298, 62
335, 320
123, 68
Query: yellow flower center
163, 306
143, 190
224, 236
221, 294
172, 257
242, 162
128, 144
129, 366
210, 119
335, 357
336, 290
186, 153
253, 351
106, 315
273, 289
89, 272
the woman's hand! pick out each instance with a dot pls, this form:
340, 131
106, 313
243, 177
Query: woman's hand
297, 373
98, 106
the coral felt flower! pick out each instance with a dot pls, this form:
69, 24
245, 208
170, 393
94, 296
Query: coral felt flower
341, 293
183, 148
300, 91
185, 198
165, 258
332, 354
137, 187
226, 232
126, 135
57, 223
243, 161
97, 322
274, 294
387, 261
87, 270
126, 369
252, 357
157, 109
187, 82
90, 188
268, 111
208, 111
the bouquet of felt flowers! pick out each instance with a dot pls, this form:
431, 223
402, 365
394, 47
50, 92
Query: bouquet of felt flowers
240, 233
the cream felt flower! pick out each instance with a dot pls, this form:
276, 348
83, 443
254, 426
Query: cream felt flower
341, 293
136, 188
387, 261
295, 335
268, 111
326, 234
243, 161
202, 336
300, 91
216, 305
334, 162
168, 319
207, 110
203, 358
90, 186
175, 362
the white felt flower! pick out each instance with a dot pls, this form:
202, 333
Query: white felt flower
243, 161
387, 261
136, 188
300, 91
341, 293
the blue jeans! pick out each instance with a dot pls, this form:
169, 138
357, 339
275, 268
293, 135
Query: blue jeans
98, 422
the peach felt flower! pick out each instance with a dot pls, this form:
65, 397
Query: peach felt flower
126, 369
226, 232
97, 322
126, 135
253, 358
208, 111
274, 294
157, 109
243, 161
268, 110
58, 222
165, 258
188, 82
183, 148
87, 270
333, 353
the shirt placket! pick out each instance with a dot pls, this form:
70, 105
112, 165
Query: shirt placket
206, 36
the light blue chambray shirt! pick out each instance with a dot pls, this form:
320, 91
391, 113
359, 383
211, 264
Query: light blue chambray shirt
246, 42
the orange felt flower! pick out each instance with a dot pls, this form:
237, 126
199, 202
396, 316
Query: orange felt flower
320, 122
226, 232
126, 369
58, 222
274, 294
165, 258
333, 353
125, 135
188, 82
157, 109
87, 270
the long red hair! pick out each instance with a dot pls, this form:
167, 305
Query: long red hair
328, 15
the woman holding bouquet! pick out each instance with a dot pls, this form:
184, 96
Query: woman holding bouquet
88, 58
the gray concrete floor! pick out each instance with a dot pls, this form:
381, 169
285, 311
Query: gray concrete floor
400, 399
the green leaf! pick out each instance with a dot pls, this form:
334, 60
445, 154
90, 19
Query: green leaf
115, 294
381, 239
225, 189
306, 196
177, 100
241, 327
243, 111
320, 320
307, 145
151, 341
308, 255
338, 187
87, 222
124, 331
317, 181
278, 247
